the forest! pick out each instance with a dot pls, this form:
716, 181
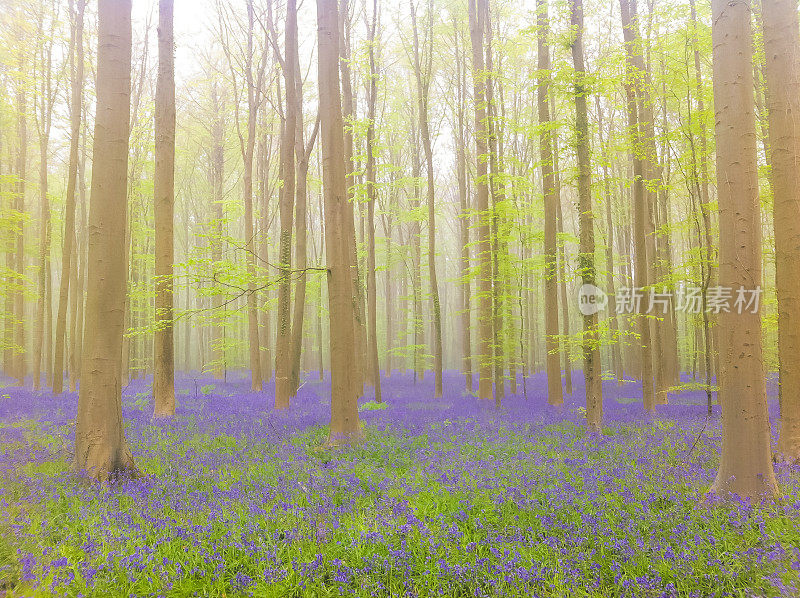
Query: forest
400, 298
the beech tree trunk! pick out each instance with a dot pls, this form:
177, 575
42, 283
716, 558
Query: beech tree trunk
781, 43
616, 354
710, 330
389, 303
372, 297
562, 274
254, 84
640, 215
423, 74
638, 85
303, 156
552, 348
745, 467
496, 245
345, 426
164, 206
265, 336
69, 252
217, 174
81, 242
416, 258
44, 103
101, 451
15, 258
484, 257
591, 349
283, 349
348, 110
464, 218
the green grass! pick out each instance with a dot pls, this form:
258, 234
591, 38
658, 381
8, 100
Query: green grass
437, 512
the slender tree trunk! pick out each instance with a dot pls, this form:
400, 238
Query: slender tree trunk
590, 342
639, 87
301, 259
781, 43
640, 214
710, 329
552, 365
389, 304
101, 451
303, 160
745, 467
318, 261
81, 242
69, 253
562, 274
264, 155
283, 349
43, 268
44, 106
372, 299
616, 355
423, 74
497, 245
416, 259
348, 110
16, 334
164, 206
464, 219
254, 90
484, 257
345, 425
217, 174
188, 361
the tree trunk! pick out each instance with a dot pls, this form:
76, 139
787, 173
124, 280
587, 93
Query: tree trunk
372, 299
476, 29
640, 215
345, 426
389, 304
638, 86
616, 355
265, 336
80, 251
163, 210
552, 349
562, 274
710, 330
44, 106
781, 40
254, 88
283, 349
217, 173
347, 107
496, 244
591, 349
15, 334
464, 219
303, 156
745, 467
69, 253
422, 74
101, 451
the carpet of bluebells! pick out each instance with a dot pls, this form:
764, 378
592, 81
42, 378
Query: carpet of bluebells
446, 497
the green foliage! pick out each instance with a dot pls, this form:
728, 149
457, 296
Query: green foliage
372, 406
396, 494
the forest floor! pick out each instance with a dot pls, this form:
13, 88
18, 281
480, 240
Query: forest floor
446, 497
